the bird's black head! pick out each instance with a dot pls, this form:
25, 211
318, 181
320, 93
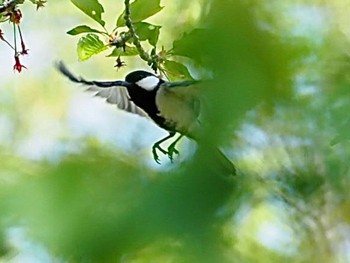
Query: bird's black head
137, 75
143, 79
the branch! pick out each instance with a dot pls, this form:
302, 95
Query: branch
151, 60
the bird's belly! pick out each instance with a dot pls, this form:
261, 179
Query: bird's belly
178, 112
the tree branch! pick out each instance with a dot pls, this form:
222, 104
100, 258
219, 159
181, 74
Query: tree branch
151, 60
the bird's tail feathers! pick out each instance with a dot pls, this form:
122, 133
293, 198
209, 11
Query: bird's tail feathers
217, 159
224, 163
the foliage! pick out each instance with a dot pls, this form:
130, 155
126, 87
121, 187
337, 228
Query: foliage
277, 102
126, 39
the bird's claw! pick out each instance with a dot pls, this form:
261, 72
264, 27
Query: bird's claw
154, 152
171, 151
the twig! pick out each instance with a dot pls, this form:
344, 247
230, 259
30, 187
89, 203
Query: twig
3, 39
151, 60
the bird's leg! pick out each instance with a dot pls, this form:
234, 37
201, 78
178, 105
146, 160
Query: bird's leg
157, 146
172, 149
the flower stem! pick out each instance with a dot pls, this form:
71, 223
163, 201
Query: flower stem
3, 39
14, 38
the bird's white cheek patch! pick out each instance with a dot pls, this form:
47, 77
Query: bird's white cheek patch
148, 83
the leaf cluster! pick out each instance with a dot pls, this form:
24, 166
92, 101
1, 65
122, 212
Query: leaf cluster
127, 40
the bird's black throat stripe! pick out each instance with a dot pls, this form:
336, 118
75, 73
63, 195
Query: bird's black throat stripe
145, 99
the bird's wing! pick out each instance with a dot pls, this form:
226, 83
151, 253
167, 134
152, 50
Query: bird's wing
184, 83
119, 96
115, 92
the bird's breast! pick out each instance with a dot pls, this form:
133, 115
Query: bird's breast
177, 110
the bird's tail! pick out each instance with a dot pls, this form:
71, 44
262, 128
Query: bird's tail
225, 165
216, 159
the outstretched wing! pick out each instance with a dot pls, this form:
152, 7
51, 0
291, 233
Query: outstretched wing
119, 96
115, 92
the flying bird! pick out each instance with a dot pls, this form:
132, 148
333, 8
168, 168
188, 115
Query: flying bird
173, 106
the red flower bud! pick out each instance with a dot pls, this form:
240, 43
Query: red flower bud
2, 35
18, 66
15, 16
24, 50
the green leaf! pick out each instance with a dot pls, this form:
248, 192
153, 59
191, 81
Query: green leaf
89, 45
140, 10
82, 29
147, 31
176, 71
187, 44
92, 8
2, 18
129, 51
343, 134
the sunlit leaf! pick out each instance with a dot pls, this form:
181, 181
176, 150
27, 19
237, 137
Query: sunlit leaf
92, 8
176, 70
2, 18
140, 10
82, 29
90, 45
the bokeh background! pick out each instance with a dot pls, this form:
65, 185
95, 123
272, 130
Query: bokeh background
77, 178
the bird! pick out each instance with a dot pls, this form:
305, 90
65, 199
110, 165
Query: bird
173, 106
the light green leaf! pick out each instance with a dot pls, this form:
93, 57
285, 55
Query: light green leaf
82, 29
147, 31
92, 8
140, 10
176, 71
89, 45
129, 51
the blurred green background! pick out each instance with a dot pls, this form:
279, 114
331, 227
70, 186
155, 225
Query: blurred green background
77, 178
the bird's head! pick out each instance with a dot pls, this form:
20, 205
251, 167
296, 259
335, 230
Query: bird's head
143, 79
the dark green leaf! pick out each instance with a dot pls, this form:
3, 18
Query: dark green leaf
89, 45
129, 51
92, 8
176, 71
140, 10
82, 29
147, 31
